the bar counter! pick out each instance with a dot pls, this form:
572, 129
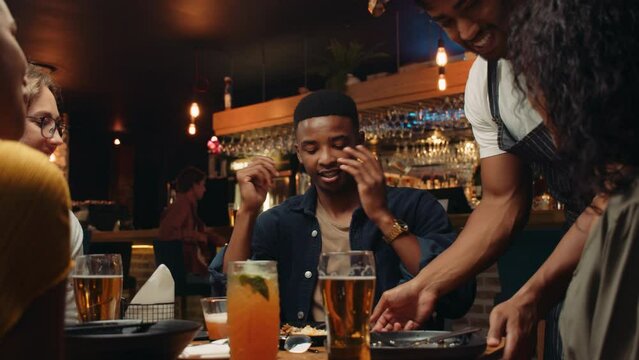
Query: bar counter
143, 236
552, 219
539, 220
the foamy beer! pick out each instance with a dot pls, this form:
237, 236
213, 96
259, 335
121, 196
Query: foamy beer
97, 283
347, 280
215, 317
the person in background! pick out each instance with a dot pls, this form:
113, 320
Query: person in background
34, 218
347, 208
180, 221
43, 131
513, 142
579, 61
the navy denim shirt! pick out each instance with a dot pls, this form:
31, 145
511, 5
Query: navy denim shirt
290, 234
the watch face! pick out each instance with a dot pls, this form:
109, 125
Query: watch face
402, 225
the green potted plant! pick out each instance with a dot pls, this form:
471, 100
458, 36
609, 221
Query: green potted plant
342, 61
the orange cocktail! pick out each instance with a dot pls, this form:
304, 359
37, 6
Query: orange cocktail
253, 310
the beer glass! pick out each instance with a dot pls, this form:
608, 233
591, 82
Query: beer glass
97, 283
253, 310
215, 317
347, 280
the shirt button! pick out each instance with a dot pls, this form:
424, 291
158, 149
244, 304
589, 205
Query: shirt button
308, 274
300, 315
314, 233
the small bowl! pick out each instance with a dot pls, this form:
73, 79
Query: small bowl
159, 341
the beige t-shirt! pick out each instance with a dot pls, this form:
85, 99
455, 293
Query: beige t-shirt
334, 238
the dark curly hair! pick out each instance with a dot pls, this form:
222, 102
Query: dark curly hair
580, 62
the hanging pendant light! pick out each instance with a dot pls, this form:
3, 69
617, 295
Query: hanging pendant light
377, 7
194, 111
192, 130
441, 81
441, 58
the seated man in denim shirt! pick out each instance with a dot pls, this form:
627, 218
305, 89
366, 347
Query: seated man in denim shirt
347, 208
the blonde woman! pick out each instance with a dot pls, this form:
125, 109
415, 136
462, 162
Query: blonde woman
43, 131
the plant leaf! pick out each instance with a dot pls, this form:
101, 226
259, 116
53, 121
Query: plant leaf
257, 283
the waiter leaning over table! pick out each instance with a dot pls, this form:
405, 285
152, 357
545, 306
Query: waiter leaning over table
513, 143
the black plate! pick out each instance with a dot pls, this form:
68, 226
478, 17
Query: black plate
462, 347
163, 340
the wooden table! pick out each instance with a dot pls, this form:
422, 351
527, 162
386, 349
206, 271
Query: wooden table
491, 353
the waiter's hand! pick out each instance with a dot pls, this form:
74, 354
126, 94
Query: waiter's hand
404, 307
254, 181
369, 175
516, 319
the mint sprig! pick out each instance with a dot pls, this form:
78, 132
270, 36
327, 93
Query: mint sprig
257, 283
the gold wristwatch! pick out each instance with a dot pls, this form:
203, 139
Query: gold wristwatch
399, 228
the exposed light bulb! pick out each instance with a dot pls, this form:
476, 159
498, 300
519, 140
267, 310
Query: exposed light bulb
441, 81
192, 129
441, 58
116, 142
52, 157
195, 110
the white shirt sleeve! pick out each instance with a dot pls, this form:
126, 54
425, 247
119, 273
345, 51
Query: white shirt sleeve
477, 109
71, 312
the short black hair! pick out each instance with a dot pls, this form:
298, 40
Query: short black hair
187, 178
326, 103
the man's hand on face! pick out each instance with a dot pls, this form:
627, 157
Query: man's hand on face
254, 181
516, 319
369, 175
404, 307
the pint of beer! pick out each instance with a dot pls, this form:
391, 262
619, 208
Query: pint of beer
347, 280
97, 283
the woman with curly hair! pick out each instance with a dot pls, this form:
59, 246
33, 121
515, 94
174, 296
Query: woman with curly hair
579, 61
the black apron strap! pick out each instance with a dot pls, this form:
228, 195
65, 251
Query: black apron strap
493, 91
505, 140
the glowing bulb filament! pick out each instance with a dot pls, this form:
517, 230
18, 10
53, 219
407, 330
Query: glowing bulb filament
116, 142
441, 82
195, 110
192, 129
441, 59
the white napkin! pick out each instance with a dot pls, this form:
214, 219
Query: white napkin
158, 289
213, 350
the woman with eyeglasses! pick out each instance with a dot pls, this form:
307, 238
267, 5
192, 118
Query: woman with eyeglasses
44, 131
43, 128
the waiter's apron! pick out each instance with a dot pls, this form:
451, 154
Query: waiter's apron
539, 152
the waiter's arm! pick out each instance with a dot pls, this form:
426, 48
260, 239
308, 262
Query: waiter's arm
503, 210
516, 318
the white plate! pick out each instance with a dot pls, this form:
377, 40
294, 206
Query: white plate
206, 351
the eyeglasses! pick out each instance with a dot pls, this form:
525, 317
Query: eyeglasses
48, 125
